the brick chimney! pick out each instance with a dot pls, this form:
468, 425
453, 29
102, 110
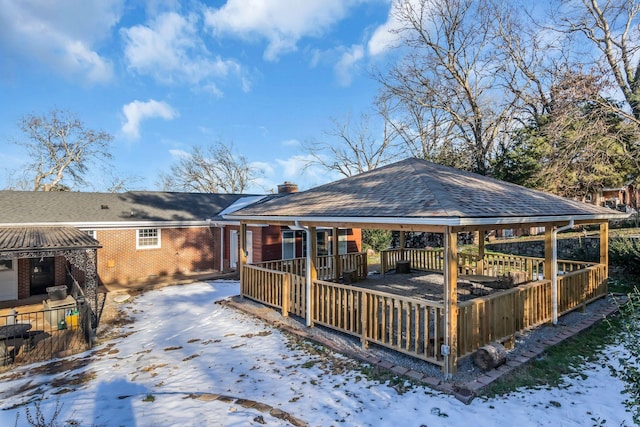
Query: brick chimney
287, 187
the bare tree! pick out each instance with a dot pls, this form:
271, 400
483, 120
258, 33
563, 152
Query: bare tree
451, 75
612, 28
61, 149
210, 169
352, 148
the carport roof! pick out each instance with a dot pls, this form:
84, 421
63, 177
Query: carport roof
416, 191
34, 239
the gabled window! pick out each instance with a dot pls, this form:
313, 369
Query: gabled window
148, 238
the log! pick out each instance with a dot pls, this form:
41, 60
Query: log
490, 356
403, 266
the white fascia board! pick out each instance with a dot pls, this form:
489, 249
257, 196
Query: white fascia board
112, 225
446, 221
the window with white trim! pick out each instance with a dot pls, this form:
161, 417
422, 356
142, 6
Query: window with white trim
91, 233
148, 238
6, 264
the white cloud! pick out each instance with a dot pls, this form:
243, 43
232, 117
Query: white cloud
291, 143
137, 111
282, 23
384, 37
60, 35
345, 66
177, 153
171, 50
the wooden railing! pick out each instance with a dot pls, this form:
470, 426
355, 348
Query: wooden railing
410, 326
421, 259
415, 326
578, 288
499, 316
268, 287
293, 265
325, 265
493, 264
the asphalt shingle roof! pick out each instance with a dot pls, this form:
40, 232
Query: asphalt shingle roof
415, 188
34, 207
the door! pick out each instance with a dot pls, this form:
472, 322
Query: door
8, 279
249, 247
42, 275
233, 248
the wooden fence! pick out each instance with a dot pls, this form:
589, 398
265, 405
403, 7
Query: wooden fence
410, 326
325, 265
493, 264
500, 316
415, 326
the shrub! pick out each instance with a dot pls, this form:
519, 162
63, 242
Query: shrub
624, 252
629, 369
378, 240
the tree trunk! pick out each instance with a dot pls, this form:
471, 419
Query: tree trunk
490, 356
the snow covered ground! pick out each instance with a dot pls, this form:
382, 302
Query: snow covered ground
183, 349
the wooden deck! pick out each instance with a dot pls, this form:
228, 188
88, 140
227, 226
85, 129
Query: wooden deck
406, 312
430, 286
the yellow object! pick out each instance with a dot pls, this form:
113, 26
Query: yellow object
72, 321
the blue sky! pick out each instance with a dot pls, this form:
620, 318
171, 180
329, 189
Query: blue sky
162, 76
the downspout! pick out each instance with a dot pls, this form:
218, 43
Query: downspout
554, 270
307, 272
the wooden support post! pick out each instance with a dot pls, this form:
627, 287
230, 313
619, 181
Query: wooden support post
451, 300
604, 247
548, 251
286, 294
364, 312
480, 262
312, 275
337, 267
403, 242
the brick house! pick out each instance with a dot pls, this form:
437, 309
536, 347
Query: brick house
146, 236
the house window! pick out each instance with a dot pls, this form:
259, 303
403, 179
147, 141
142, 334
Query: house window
6, 264
288, 244
342, 242
91, 233
148, 238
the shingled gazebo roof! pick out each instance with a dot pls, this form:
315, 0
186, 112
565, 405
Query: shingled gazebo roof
415, 191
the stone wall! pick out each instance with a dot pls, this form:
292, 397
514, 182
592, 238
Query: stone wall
578, 249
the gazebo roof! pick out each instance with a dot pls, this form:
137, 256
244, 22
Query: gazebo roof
415, 191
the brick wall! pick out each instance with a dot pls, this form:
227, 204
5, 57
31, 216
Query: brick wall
183, 250
24, 277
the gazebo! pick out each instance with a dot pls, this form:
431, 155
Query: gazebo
420, 196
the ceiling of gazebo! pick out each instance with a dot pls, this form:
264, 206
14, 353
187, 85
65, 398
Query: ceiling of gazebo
415, 191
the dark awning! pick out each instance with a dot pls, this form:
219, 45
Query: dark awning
34, 239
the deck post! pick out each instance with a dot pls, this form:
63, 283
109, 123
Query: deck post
403, 242
480, 261
337, 268
548, 251
451, 302
312, 273
604, 248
